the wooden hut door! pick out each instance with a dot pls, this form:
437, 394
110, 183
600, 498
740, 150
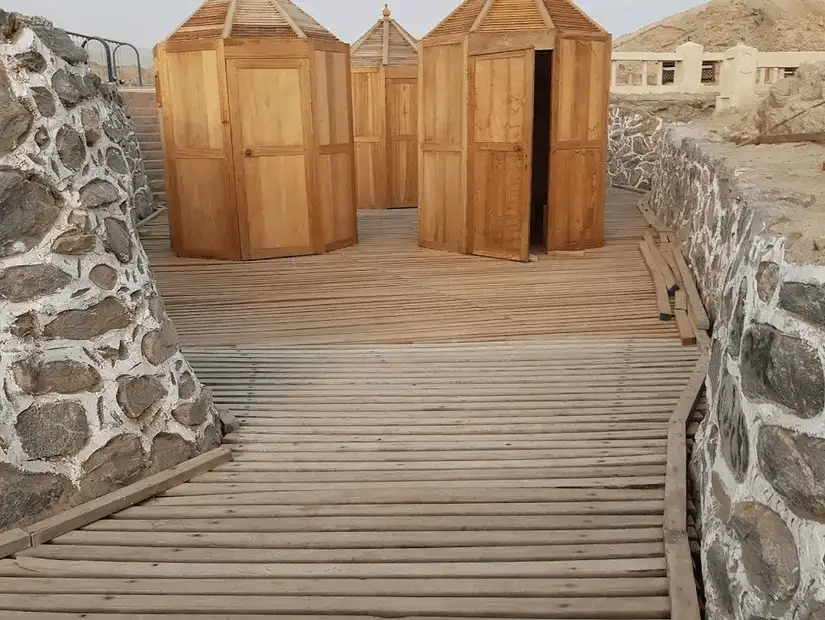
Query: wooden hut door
500, 153
269, 105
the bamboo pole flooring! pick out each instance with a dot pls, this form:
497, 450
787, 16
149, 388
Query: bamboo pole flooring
421, 435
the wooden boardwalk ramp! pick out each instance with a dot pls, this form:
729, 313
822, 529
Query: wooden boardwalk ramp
513, 477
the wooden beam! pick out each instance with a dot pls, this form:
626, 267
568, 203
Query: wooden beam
301, 34
686, 331
662, 298
482, 14
697, 308
780, 124
667, 273
82, 515
13, 541
545, 16
684, 601
230, 19
386, 43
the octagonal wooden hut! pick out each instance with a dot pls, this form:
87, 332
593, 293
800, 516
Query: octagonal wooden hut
385, 115
513, 107
257, 132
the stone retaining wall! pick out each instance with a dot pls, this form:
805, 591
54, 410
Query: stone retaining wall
759, 460
94, 391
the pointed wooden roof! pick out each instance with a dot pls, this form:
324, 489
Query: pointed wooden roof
258, 19
386, 43
490, 16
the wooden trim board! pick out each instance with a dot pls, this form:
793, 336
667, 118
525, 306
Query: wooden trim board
82, 515
13, 541
684, 601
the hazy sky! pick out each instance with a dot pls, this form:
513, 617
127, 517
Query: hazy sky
145, 22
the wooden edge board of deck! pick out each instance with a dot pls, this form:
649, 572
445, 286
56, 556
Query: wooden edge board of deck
664, 267
682, 585
662, 298
697, 308
13, 541
630, 189
79, 516
650, 217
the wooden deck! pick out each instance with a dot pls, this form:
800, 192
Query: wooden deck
510, 463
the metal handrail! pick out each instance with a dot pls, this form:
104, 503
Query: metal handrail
110, 49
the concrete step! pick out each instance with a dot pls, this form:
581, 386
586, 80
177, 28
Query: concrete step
153, 165
151, 145
157, 179
157, 185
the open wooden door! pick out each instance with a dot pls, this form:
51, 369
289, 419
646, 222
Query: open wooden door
500, 153
272, 165
578, 143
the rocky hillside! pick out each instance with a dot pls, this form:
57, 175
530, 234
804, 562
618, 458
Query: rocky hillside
769, 25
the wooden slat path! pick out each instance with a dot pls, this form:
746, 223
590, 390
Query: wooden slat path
517, 474
388, 290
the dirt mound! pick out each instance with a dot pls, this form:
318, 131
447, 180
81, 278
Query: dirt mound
767, 25
787, 98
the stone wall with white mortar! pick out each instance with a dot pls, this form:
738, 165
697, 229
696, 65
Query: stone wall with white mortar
94, 391
759, 460
632, 143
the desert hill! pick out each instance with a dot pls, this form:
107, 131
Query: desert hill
767, 25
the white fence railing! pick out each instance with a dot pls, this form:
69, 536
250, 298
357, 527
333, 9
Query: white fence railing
736, 75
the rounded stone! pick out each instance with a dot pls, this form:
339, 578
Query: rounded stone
782, 369
48, 430
91, 125
31, 61
719, 592
769, 554
27, 212
41, 139
15, 119
28, 282
794, 465
59, 377
101, 318
159, 345
139, 395
195, 414
168, 450
733, 429
737, 322
115, 130
118, 240
186, 386
74, 243
45, 101
116, 161
767, 279
98, 193
71, 148
103, 277
120, 462
28, 497
806, 301
70, 88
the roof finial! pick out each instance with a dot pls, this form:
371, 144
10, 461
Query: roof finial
386, 12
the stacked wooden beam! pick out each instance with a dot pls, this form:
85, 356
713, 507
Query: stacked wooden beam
676, 294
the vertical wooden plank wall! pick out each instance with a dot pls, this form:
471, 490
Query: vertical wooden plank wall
442, 220
369, 126
578, 147
334, 190
194, 114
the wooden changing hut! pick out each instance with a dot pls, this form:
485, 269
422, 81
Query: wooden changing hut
257, 132
513, 107
385, 109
